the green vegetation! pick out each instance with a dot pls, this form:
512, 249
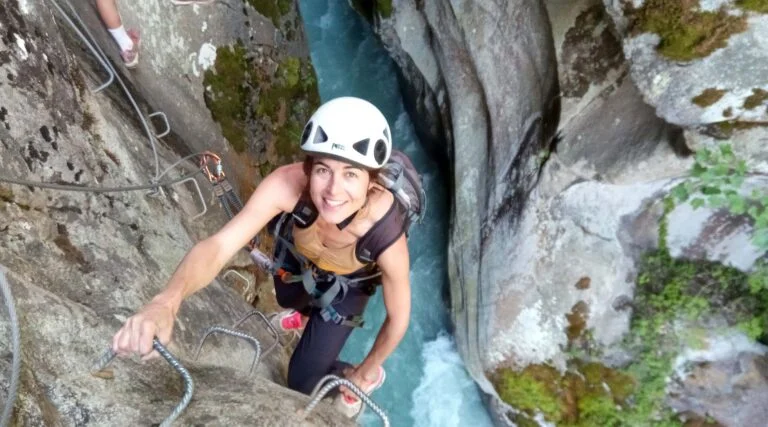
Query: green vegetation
288, 102
708, 97
272, 9
384, 7
758, 97
669, 292
716, 181
588, 394
686, 32
229, 85
754, 5
672, 292
673, 299
287, 98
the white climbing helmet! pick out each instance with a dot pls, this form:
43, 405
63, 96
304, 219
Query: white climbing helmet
349, 129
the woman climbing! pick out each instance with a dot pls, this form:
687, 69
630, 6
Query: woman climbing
338, 230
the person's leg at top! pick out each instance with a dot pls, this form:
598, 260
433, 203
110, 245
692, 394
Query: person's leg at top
127, 39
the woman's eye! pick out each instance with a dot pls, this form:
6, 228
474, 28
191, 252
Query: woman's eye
321, 171
351, 175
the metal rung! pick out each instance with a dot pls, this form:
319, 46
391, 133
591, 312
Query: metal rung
269, 324
189, 385
329, 382
253, 341
238, 274
167, 125
199, 193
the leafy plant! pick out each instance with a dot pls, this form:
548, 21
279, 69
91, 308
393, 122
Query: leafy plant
716, 181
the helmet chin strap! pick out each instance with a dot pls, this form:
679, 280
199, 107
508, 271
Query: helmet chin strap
347, 220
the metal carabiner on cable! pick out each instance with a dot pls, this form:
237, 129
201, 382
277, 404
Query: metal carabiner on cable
218, 174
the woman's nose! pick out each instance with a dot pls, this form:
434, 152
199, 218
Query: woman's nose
334, 185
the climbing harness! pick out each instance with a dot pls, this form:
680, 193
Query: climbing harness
189, 385
16, 349
400, 177
335, 286
328, 383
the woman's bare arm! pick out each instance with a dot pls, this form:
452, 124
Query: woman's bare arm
395, 267
278, 192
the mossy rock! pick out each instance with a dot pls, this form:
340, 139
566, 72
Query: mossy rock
760, 6
229, 86
725, 129
588, 394
272, 9
384, 7
669, 293
288, 100
686, 31
6, 195
708, 97
758, 98
241, 94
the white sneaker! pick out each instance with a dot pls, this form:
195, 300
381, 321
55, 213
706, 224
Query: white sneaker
352, 407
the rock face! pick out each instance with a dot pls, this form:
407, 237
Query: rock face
724, 386
541, 229
719, 75
499, 123
79, 263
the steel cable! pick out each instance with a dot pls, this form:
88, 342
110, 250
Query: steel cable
71, 187
16, 348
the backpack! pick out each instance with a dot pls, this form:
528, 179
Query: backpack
401, 178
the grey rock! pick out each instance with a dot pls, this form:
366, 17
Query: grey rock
79, 263
530, 222
728, 382
670, 86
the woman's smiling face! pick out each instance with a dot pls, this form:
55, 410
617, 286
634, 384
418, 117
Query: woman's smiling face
338, 189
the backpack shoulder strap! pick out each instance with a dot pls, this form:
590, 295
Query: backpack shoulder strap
304, 213
383, 233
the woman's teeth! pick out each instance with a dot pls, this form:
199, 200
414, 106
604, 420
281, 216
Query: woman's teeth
334, 203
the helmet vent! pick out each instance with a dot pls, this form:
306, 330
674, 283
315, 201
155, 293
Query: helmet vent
362, 146
305, 134
320, 136
386, 134
380, 151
